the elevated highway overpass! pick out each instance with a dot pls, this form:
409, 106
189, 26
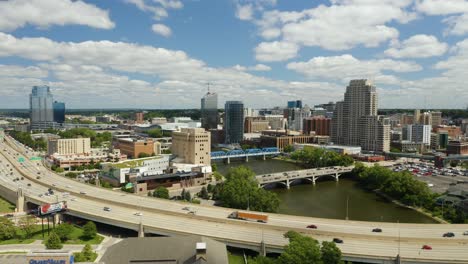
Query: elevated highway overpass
167, 218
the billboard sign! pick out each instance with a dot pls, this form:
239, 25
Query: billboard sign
47, 209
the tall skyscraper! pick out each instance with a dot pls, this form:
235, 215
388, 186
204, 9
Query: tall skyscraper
295, 104
234, 122
209, 111
59, 112
355, 121
41, 108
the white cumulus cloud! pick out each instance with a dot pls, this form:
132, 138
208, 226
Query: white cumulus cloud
162, 30
347, 67
276, 51
44, 13
417, 46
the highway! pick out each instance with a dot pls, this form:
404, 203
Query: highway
167, 217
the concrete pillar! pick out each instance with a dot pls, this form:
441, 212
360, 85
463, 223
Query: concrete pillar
246, 158
313, 180
228, 161
19, 200
141, 230
262, 249
98, 182
287, 183
264, 157
57, 218
337, 177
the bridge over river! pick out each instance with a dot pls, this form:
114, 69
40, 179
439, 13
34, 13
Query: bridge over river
286, 178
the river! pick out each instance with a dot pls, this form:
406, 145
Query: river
327, 199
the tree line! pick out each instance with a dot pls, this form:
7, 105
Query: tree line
402, 186
317, 157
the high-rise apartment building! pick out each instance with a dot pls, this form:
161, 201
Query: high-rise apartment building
436, 118
209, 111
234, 122
193, 145
59, 112
41, 108
416, 116
418, 133
139, 117
355, 121
295, 104
318, 124
296, 117
72, 146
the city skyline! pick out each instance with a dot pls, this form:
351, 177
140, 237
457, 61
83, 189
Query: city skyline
165, 54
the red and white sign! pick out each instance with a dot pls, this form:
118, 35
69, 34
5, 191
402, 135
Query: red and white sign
47, 209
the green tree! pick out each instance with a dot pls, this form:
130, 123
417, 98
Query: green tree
89, 230
7, 229
86, 255
214, 167
155, 133
187, 196
288, 149
262, 260
28, 225
300, 250
240, 190
204, 193
53, 241
64, 231
218, 176
331, 254
161, 192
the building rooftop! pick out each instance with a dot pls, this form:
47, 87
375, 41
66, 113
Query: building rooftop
166, 250
134, 163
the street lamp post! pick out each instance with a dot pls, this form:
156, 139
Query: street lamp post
347, 207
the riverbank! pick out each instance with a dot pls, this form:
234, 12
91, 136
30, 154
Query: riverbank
418, 209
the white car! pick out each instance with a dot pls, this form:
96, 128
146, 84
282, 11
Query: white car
465, 233
138, 214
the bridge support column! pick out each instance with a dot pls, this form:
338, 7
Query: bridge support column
228, 160
262, 249
287, 184
57, 218
313, 180
141, 230
98, 182
264, 157
337, 177
246, 158
19, 200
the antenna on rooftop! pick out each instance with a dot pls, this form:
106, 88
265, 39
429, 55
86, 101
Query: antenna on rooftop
208, 84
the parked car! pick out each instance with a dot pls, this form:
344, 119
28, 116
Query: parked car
338, 240
377, 230
312, 226
426, 247
107, 209
449, 234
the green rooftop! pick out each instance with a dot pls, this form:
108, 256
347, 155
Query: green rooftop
128, 164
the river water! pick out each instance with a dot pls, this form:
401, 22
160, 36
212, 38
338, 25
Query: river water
327, 199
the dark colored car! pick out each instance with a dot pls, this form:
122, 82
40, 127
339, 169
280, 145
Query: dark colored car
377, 230
426, 247
337, 240
449, 234
312, 226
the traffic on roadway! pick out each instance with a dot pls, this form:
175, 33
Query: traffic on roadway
169, 217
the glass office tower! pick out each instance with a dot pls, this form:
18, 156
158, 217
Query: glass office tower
209, 111
234, 122
41, 108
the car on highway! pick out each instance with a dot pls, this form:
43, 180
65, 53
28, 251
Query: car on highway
186, 208
448, 234
29, 185
38, 172
53, 184
38, 177
82, 192
465, 233
40, 195
138, 214
73, 199
377, 230
312, 226
338, 240
426, 247
107, 209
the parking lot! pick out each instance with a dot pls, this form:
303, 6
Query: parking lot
439, 180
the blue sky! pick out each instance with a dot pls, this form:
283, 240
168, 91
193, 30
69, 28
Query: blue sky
162, 53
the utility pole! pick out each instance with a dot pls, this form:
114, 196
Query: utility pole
347, 207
